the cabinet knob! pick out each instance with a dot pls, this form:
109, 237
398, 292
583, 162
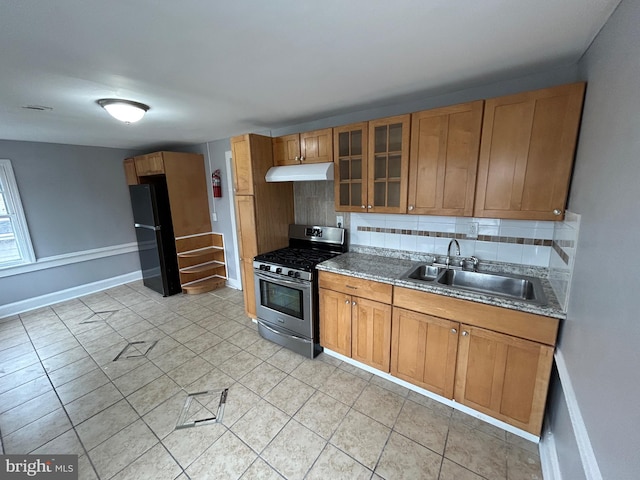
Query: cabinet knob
453, 330
557, 212
363, 206
410, 207
297, 159
353, 303
464, 334
369, 207
302, 158
347, 302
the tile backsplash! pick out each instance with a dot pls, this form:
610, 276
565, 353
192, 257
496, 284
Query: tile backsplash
563, 256
512, 241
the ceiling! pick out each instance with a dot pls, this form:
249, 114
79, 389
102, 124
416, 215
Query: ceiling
211, 69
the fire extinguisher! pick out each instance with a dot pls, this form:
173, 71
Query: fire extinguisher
217, 184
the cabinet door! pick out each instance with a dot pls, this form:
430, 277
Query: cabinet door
371, 333
423, 350
444, 160
130, 171
335, 321
502, 376
316, 146
527, 152
286, 150
247, 244
350, 173
150, 164
242, 167
388, 164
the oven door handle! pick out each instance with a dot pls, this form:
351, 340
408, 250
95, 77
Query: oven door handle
272, 330
280, 279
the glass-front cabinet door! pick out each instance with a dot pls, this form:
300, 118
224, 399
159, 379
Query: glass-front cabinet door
388, 164
350, 174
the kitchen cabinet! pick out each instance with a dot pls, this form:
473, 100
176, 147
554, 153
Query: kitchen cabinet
503, 376
263, 210
355, 318
350, 143
187, 186
527, 152
424, 350
444, 159
309, 147
503, 359
388, 164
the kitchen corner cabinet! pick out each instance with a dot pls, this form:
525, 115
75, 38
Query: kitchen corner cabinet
309, 147
444, 159
503, 376
351, 167
355, 318
388, 164
424, 350
527, 152
263, 210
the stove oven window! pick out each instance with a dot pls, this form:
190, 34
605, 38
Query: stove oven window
285, 300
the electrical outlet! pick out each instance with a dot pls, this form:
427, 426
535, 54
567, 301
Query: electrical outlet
472, 230
340, 221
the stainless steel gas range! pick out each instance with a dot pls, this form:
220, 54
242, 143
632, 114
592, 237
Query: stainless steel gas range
287, 287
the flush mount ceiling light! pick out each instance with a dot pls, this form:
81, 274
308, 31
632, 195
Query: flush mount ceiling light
126, 111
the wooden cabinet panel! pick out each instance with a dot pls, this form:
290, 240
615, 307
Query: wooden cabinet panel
248, 288
527, 153
130, 171
286, 150
504, 377
388, 164
371, 333
444, 159
316, 146
242, 167
335, 321
150, 164
360, 287
350, 145
188, 193
423, 350
309, 147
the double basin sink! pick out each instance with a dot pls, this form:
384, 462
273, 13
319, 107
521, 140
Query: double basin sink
516, 287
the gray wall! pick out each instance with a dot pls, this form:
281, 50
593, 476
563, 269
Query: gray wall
75, 198
600, 337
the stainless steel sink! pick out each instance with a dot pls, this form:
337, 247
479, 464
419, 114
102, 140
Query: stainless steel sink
518, 287
426, 273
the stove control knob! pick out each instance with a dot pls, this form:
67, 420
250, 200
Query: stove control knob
265, 267
278, 270
290, 273
296, 275
262, 267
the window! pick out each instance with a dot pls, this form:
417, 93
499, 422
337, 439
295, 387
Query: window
15, 244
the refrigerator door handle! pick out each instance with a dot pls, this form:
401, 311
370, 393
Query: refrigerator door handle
149, 227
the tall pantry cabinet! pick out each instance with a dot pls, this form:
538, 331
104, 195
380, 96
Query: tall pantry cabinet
263, 210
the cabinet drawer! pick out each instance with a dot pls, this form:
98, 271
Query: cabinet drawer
380, 292
511, 322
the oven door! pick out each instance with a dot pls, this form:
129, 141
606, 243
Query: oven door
284, 302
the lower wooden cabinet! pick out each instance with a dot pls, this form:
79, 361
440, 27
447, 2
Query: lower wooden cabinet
503, 376
335, 321
423, 350
371, 332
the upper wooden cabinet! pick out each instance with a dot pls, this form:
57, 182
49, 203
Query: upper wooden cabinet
309, 147
350, 144
150, 164
130, 171
388, 167
527, 152
444, 159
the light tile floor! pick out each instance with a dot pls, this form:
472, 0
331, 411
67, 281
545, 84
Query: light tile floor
286, 416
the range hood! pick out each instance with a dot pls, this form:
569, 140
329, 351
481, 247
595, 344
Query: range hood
300, 173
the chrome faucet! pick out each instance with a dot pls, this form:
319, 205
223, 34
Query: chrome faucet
452, 242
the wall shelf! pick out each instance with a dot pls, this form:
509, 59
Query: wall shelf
202, 263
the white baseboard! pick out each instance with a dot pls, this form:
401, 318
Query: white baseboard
68, 294
549, 459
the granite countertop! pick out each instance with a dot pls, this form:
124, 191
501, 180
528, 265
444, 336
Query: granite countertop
385, 269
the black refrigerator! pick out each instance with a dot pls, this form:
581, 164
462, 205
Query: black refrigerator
154, 232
